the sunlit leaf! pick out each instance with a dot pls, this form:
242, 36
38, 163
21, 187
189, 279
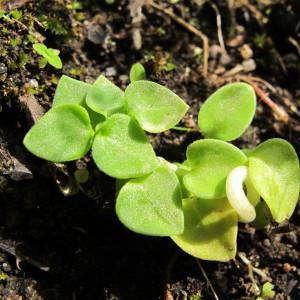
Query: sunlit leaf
105, 97
55, 61
211, 161
274, 171
151, 204
210, 229
40, 49
64, 133
121, 149
227, 113
70, 90
154, 106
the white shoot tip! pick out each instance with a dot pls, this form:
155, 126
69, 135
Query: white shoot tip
236, 195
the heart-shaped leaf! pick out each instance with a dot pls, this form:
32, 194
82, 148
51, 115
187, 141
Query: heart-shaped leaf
211, 161
151, 204
274, 172
210, 229
155, 107
70, 90
137, 72
227, 113
105, 98
64, 133
122, 150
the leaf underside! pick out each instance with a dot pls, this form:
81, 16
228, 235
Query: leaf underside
210, 229
274, 172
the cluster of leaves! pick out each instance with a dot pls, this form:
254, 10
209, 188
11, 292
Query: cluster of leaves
13, 14
186, 201
49, 55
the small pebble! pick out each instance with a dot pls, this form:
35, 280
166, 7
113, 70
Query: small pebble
33, 83
6, 267
96, 34
110, 71
288, 268
3, 72
249, 65
245, 51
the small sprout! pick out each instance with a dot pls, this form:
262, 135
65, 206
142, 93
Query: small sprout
152, 204
155, 107
137, 72
199, 202
236, 195
122, 150
267, 292
228, 112
50, 55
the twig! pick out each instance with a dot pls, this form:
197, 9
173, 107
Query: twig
294, 43
207, 279
279, 111
252, 269
190, 28
220, 34
12, 250
258, 79
167, 293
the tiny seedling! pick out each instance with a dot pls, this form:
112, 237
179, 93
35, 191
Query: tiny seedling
49, 55
267, 292
197, 203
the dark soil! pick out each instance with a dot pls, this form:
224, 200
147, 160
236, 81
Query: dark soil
73, 247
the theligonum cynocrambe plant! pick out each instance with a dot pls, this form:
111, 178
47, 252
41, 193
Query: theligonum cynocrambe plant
199, 202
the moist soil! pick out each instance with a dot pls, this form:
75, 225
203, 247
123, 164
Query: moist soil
60, 243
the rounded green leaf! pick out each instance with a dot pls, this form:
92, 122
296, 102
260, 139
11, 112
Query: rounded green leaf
155, 107
274, 172
121, 149
211, 161
70, 90
64, 133
151, 204
227, 113
55, 61
210, 229
104, 97
137, 72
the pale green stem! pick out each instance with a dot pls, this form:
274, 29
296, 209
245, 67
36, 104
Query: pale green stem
236, 195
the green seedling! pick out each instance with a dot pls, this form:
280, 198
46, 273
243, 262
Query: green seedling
197, 203
49, 55
137, 72
267, 292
